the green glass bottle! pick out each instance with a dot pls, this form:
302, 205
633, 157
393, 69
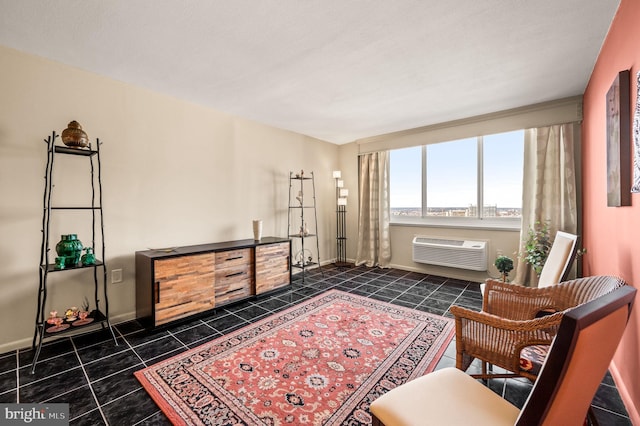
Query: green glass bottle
69, 247
88, 258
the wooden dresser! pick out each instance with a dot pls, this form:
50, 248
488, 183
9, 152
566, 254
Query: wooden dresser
177, 283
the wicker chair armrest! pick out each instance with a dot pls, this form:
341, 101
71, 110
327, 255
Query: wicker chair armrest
517, 302
545, 322
513, 288
500, 340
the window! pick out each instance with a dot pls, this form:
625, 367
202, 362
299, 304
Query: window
438, 182
452, 177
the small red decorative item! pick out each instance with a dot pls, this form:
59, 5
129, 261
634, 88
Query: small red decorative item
59, 326
83, 318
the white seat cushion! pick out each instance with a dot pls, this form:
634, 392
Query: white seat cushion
445, 397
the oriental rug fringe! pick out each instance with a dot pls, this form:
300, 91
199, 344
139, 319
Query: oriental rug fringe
321, 362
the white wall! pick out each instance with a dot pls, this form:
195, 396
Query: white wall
174, 173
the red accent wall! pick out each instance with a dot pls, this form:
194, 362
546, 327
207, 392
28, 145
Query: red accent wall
612, 234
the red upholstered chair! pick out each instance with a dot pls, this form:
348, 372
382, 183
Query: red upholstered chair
580, 355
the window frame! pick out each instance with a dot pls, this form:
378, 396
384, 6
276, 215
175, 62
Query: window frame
494, 223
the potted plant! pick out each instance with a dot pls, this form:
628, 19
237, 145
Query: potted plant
537, 246
504, 265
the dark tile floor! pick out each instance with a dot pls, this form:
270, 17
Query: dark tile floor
96, 377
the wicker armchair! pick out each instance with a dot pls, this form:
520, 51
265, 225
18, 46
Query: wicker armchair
508, 322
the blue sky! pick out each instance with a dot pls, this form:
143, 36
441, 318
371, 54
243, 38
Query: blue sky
452, 173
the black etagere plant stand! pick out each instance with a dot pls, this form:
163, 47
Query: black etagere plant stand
47, 267
303, 259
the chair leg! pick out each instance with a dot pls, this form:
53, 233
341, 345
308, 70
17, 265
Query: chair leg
375, 421
484, 375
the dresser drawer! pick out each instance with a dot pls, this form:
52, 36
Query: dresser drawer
233, 282
235, 291
230, 258
272, 267
233, 274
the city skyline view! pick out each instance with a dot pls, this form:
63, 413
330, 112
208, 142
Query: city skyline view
457, 211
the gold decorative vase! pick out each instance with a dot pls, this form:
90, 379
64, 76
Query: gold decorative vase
74, 137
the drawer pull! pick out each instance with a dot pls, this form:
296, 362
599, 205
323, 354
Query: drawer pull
235, 274
157, 291
233, 258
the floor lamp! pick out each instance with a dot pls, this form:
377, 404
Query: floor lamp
341, 220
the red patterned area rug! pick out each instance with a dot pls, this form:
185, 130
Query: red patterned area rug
321, 362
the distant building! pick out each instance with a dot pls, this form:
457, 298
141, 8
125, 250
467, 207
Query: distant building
487, 211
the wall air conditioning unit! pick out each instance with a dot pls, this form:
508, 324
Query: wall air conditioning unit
454, 253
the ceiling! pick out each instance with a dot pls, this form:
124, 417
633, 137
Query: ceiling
337, 70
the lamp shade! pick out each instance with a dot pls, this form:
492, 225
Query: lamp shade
342, 201
337, 174
339, 183
344, 192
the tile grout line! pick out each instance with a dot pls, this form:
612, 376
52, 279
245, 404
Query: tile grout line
86, 376
181, 342
17, 377
132, 349
611, 412
141, 421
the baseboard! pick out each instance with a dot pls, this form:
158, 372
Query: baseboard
25, 344
334, 260
16, 344
464, 276
632, 409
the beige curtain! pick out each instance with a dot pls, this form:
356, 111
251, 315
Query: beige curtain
549, 186
374, 243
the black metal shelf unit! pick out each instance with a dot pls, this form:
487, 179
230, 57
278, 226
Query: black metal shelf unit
303, 259
96, 316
